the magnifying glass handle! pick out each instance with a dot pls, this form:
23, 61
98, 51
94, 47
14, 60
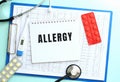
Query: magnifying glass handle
61, 78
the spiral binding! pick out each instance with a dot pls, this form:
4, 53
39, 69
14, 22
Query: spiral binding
53, 21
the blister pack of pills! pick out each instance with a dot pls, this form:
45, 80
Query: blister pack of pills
91, 28
10, 69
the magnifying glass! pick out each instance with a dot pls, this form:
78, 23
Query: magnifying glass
73, 71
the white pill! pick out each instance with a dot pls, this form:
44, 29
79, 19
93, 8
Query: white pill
11, 72
14, 60
7, 68
8, 76
11, 64
15, 68
3, 72
3, 80
18, 64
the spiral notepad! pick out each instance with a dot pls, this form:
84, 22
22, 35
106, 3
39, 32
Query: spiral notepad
55, 40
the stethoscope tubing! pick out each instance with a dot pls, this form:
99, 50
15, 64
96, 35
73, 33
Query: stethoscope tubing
21, 14
5, 20
2, 1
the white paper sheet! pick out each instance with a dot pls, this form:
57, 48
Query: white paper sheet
55, 41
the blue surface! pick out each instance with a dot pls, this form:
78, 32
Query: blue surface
114, 55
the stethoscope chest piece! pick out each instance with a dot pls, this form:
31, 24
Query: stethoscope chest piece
73, 71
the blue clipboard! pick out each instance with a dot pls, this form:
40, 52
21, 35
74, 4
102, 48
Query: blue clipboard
69, 8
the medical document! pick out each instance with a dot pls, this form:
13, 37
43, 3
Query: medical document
65, 22
55, 41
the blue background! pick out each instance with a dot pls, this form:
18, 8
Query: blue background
114, 55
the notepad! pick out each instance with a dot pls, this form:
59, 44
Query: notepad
55, 40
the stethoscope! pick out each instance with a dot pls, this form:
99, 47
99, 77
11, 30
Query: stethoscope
73, 71
21, 14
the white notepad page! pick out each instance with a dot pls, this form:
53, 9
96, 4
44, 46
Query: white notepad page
55, 40
92, 58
